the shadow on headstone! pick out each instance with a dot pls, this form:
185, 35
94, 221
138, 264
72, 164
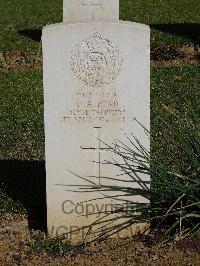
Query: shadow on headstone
34, 34
190, 31
25, 181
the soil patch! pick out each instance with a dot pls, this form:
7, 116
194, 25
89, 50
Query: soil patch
171, 55
14, 61
16, 241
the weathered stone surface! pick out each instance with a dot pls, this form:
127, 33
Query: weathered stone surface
96, 81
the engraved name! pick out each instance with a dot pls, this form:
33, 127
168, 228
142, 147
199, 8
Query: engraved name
95, 107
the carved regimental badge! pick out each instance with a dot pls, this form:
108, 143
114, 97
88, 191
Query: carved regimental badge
96, 61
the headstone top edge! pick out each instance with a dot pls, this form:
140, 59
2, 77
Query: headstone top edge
119, 22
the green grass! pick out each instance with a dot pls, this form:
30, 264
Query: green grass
162, 12
55, 246
21, 115
178, 89
26, 14
174, 211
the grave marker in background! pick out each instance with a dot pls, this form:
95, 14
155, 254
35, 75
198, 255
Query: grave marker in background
90, 10
96, 81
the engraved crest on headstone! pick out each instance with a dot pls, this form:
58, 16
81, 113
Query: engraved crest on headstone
96, 61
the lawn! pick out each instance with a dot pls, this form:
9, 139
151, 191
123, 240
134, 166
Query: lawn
21, 115
174, 89
21, 20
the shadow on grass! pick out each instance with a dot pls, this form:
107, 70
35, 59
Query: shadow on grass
190, 31
34, 34
25, 181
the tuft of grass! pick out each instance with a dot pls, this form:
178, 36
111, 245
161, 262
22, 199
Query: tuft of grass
174, 209
8, 205
176, 186
57, 246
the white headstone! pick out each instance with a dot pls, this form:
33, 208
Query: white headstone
96, 81
86, 10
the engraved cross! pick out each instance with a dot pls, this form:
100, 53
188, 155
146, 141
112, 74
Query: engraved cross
91, 4
98, 149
